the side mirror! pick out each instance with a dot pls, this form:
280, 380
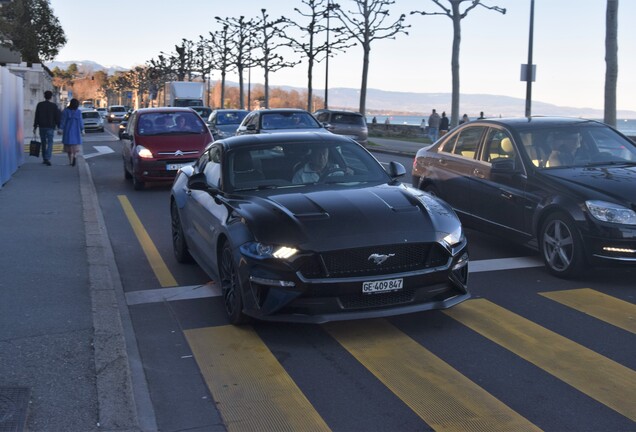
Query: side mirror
250, 127
125, 136
395, 170
503, 166
198, 182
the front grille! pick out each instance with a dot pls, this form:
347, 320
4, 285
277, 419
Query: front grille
359, 262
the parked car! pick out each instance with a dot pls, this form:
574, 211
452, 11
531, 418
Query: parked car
92, 120
116, 113
279, 120
354, 242
223, 123
159, 141
103, 112
348, 123
123, 124
203, 111
566, 186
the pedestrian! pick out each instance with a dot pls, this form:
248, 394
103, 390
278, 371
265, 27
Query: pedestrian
464, 119
443, 124
47, 118
481, 116
374, 120
434, 121
387, 122
423, 126
72, 130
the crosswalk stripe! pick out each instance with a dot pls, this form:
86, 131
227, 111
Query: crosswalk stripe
597, 376
445, 399
606, 308
252, 390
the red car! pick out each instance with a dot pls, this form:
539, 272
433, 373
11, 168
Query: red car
159, 141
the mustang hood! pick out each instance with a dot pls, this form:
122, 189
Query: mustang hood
616, 181
322, 220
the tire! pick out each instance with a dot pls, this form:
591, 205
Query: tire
179, 245
137, 184
127, 174
231, 288
561, 246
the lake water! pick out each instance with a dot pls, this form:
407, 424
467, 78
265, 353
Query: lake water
626, 126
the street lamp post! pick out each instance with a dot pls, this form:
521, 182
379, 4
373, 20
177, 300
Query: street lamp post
529, 73
330, 7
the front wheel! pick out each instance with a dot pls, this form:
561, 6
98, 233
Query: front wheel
561, 246
179, 245
231, 288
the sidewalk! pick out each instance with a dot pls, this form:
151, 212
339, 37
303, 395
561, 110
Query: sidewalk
68, 355
64, 362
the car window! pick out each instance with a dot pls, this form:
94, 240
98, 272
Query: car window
465, 143
290, 165
498, 145
230, 118
347, 119
288, 120
165, 123
212, 166
90, 114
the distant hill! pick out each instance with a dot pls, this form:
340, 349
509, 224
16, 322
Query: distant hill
86, 65
407, 103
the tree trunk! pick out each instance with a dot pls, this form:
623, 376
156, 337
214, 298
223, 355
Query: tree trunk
241, 93
365, 74
223, 88
457, 38
310, 68
611, 61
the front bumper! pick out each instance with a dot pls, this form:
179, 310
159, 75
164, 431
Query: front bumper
275, 291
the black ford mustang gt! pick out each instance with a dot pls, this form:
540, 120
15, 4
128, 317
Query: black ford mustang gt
309, 227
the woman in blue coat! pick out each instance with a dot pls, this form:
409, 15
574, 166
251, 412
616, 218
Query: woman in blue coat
73, 129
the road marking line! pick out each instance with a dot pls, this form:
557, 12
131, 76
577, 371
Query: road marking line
252, 390
159, 295
101, 150
606, 308
503, 264
157, 264
444, 398
605, 380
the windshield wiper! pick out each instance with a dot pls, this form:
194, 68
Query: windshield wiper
601, 163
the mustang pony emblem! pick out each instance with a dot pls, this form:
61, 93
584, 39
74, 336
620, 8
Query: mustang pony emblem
379, 258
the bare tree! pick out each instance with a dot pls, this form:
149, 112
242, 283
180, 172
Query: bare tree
240, 33
611, 61
219, 45
269, 34
307, 45
456, 15
368, 24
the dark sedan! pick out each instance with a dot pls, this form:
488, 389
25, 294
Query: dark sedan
566, 186
308, 227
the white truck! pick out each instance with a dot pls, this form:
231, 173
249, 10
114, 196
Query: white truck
183, 94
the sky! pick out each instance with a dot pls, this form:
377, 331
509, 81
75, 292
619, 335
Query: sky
568, 46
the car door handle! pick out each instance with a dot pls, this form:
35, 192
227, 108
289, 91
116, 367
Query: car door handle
441, 161
479, 173
505, 194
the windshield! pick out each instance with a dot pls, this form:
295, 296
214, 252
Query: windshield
301, 164
288, 120
90, 114
230, 118
582, 144
117, 109
167, 123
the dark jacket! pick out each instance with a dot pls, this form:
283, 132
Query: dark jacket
47, 115
443, 125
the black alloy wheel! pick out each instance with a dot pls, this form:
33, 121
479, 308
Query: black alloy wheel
179, 245
231, 288
561, 246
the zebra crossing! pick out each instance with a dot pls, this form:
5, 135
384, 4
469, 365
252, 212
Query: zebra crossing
254, 392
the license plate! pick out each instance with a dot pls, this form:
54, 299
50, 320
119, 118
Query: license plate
176, 166
381, 286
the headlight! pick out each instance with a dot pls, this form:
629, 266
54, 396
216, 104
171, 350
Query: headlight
262, 250
609, 212
143, 152
455, 237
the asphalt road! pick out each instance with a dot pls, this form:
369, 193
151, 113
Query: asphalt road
528, 352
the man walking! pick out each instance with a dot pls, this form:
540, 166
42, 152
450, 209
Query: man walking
433, 126
47, 118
